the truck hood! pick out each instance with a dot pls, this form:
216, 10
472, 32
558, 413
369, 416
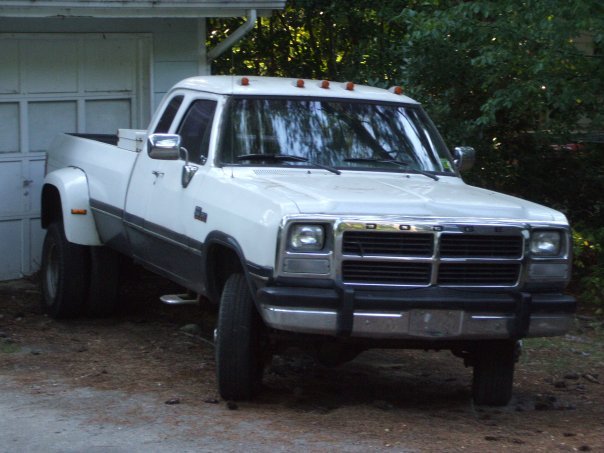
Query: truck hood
396, 194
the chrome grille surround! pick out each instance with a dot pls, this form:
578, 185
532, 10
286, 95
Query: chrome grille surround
509, 257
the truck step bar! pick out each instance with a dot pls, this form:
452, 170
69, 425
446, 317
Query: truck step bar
179, 299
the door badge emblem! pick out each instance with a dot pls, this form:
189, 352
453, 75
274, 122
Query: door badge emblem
200, 215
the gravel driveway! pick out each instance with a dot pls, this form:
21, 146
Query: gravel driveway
144, 381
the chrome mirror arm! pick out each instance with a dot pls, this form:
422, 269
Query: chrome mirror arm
188, 171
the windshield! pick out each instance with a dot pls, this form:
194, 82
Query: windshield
331, 132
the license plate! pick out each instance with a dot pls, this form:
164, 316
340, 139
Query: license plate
435, 323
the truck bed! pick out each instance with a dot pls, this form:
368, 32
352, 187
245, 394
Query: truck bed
109, 139
107, 166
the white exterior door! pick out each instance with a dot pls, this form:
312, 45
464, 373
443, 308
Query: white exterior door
85, 83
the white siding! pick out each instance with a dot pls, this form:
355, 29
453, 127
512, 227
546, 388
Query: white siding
177, 51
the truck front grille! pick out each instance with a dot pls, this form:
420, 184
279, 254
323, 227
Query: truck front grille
387, 244
388, 273
480, 246
484, 274
460, 256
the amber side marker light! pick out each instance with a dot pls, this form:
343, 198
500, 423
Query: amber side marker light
245, 81
325, 84
79, 211
350, 86
300, 83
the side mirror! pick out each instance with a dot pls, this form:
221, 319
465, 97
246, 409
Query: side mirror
464, 157
164, 146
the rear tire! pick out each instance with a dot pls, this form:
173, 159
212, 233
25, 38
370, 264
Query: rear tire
103, 293
239, 355
493, 377
65, 274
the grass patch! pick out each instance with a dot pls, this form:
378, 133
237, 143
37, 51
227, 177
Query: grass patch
8, 347
581, 350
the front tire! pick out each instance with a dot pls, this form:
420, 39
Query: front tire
65, 274
493, 377
239, 355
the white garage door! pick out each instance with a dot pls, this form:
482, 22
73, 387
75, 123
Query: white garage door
93, 83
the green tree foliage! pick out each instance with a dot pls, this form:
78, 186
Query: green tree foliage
511, 79
336, 40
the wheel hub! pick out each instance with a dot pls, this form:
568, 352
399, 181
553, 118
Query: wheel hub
52, 272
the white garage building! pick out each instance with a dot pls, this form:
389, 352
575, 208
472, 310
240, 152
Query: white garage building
88, 66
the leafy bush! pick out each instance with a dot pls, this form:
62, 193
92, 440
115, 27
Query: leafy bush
588, 272
564, 178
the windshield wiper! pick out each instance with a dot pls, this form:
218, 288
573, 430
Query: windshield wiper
286, 158
400, 163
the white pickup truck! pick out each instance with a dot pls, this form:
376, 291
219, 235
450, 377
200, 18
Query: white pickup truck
329, 215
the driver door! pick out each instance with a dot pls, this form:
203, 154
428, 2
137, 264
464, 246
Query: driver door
174, 215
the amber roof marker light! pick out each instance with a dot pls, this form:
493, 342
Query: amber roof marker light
349, 86
245, 81
300, 83
398, 90
325, 84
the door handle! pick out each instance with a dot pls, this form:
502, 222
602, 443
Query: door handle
157, 174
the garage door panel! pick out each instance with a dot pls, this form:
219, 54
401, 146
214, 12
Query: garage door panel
48, 66
11, 187
9, 64
105, 117
9, 127
50, 84
109, 66
47, 119
10, 249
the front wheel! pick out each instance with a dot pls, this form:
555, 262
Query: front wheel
239, 355
65, 274
494, 373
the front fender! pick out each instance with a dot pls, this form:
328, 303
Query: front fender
72, 185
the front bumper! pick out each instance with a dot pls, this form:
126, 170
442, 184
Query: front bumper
419, 314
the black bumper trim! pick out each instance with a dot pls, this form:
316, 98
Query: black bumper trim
426, 298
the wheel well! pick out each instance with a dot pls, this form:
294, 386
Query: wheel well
221, 262
51, 205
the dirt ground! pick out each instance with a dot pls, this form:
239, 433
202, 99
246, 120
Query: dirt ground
145, 378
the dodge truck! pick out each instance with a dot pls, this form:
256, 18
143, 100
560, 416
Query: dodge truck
315, 213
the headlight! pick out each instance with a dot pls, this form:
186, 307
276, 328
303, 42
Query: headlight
546, 243
306, 238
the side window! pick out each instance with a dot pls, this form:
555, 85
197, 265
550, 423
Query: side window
168, 116
195, 129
